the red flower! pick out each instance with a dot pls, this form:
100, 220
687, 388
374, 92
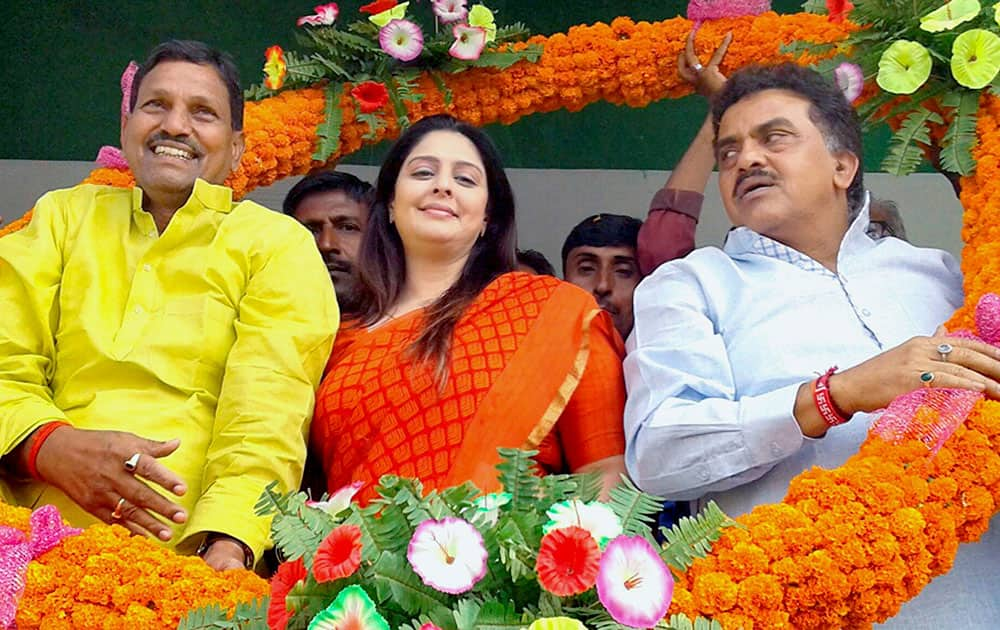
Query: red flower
837, 10
285, 578
339, 555
374, 8
568, 561
370, 96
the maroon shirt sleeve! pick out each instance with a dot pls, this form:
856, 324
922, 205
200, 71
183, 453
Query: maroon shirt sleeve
668, 231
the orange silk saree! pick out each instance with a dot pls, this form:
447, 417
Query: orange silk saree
534, 364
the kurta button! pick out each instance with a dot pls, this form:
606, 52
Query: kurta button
776, 450
138, 310
866, 312
703, 473
147, 267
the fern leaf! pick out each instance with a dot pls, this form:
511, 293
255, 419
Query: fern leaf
501, 59
295, 528
445, 91
378, 534
518, 477
211, 616
904, 154
465, 614
495, 615
692, 536
518, 536
636, 509
302, 70
960, 139
396, 581
815, 6
328, 131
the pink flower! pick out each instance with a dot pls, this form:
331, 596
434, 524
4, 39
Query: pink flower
401, 39
469, 42
850, 79
449, 11
326, 14
633, 583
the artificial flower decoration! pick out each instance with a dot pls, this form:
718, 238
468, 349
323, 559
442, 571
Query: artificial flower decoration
326, 14
469, 42
950, 15
341, 499
275, 68
595, 517
568, 560
285, 578
339, 555
633, 583
837, 10
850, 79
371, 96
379, 6
393, 12
904, 67
488, 506
479, 15
975, 58
448, 11
352, 610
401, 39
429, 626
556, 623
448, 554
996, 13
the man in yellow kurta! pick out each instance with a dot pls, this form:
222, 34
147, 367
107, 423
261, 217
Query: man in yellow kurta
178, 335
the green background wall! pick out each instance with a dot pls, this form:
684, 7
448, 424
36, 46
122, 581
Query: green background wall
63, 61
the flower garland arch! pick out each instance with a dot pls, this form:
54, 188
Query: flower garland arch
847, 546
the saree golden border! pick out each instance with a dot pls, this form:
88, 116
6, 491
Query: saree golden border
847, 546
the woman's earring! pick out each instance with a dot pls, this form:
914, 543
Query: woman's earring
392, 218
482, 232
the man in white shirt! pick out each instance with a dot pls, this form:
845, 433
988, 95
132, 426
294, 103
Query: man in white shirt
728, 344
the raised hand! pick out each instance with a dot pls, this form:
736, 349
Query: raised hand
708, 79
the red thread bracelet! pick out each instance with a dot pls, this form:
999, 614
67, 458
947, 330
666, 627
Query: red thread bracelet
824, 403
37, 440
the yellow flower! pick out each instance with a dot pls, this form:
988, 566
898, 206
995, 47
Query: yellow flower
950, 15
482, 17
904, 67
556, 623
397, 12
975, 57
274, 68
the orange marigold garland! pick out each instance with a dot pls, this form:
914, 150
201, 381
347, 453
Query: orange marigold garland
106, 578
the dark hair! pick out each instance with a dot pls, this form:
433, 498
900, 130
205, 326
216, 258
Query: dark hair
602, 230
537, 261
203, 55
829, 111
328, 181
382, 263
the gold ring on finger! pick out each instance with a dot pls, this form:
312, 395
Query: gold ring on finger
944, 350
117, 513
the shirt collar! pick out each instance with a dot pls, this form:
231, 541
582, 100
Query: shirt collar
742, 241
204, 195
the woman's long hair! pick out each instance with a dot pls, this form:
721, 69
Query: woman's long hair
382, 261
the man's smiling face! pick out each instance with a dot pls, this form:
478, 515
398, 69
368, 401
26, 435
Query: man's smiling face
180, 129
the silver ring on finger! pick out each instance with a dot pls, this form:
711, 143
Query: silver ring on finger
117, 513
926, 378
697, 67
132, 462
944, 350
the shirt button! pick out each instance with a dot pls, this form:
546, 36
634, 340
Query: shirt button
147, 267
776, 450
151, 234
703, 473
138, 310
866, 312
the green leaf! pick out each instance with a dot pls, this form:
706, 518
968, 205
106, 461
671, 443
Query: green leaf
683, 622
496, 59
378, 534
904, 154
396, 581
518, 536
960, 139
636, 509
310, 599
692, 536
297, 529
495, 615
246, 616
465, 613
302, 70
519, 477
815, 6
328, 131
445, 91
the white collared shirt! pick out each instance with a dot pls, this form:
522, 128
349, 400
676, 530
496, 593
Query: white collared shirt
724, 338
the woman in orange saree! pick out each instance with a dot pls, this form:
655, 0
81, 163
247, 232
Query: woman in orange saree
451, 355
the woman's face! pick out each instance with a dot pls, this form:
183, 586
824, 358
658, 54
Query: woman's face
439, 203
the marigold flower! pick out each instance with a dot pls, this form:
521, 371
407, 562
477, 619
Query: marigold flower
568, 561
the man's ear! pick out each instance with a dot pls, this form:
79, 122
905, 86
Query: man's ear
846, 167
239, 144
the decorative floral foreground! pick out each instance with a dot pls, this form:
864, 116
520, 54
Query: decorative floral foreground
846, 547
105, 578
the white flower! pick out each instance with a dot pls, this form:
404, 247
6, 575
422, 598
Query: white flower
449, 11
401, 39
448, 555
339, 500
595, 517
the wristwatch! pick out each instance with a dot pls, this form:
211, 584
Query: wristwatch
211, 537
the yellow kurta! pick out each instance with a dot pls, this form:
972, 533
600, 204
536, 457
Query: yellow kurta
215, 332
